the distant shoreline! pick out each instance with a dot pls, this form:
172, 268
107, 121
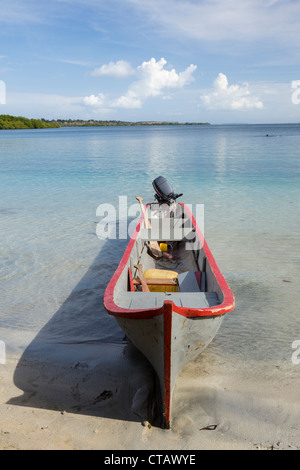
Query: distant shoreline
8, 122
112, 123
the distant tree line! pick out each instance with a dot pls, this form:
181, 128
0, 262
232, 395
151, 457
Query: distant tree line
20, 122
93, 122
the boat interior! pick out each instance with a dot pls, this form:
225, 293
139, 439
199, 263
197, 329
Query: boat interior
167, 262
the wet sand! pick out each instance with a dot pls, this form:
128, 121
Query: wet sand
88, 403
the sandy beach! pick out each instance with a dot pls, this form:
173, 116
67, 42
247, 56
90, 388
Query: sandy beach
92, 404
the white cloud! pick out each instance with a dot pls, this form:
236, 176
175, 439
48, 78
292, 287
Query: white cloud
153, 80
119, 69
39, 105
225, 96
94, 100
81, 63
279, 106
218, 20
51, 106
209, 20
128, 101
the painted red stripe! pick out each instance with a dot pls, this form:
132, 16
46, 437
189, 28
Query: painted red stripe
168, 307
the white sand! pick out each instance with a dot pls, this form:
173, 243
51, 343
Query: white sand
97, 397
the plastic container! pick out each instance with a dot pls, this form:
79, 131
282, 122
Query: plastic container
163, 247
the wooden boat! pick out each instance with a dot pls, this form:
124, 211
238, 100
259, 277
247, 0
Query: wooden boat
171, 321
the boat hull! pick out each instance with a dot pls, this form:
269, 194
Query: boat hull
169, 341
170, 328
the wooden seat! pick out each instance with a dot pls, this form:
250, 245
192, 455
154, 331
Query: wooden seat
140, 300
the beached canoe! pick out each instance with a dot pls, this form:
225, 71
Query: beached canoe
169, 307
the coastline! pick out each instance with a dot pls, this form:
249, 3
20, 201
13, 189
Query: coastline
8, 122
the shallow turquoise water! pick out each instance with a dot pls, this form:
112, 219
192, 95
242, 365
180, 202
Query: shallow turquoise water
54, 269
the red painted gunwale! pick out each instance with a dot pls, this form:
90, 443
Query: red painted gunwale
226, 306
168, 309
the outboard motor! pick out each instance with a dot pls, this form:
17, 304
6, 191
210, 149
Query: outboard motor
164, 191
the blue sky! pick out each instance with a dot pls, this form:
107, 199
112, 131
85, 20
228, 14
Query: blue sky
222, 61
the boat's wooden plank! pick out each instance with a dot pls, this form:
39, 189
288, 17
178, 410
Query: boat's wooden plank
156, 282
145, 287
137, 300
124, 301
188, 282
142, 300
196, 299
131, 285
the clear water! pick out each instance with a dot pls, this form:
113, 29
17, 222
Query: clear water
54, 269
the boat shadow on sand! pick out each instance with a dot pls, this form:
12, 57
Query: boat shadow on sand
80, 362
